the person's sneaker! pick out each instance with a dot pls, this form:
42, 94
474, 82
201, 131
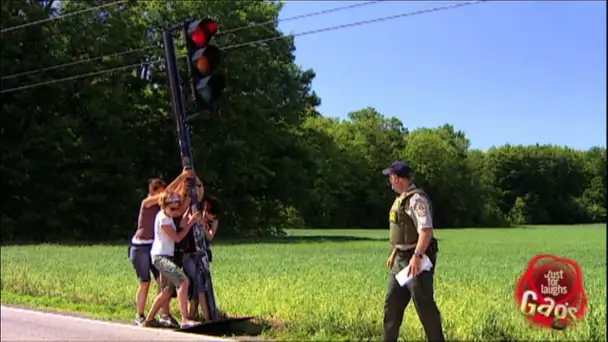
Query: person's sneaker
139, 319
188, 324
168, 321
152, 324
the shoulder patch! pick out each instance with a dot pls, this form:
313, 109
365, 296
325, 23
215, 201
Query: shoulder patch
420, 209
419, 205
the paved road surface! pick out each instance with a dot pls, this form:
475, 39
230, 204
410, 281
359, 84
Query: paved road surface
26, 325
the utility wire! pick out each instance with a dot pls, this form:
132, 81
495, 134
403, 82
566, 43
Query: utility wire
434, 9
79, 62
16, 27
234, 46
269, 22
31, 23
125, 67
301, 16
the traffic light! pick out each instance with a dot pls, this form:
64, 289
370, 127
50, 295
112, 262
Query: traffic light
203, 59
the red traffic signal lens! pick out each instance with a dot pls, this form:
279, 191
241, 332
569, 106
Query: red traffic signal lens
198, 37
210, 26
201, 31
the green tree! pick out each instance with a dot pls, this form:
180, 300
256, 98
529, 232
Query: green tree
439, 158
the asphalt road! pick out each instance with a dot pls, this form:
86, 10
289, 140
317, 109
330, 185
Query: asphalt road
26, 325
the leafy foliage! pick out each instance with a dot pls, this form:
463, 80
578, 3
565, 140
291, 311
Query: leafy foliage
76, 154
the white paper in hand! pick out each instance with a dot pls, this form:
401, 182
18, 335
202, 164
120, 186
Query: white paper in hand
403, 278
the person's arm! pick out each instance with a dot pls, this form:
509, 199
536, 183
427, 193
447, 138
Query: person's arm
185, 173
151, 200
393, 252
420, 207
210, 233
185, 216
178, 184
167, 227
176, 237
181, 211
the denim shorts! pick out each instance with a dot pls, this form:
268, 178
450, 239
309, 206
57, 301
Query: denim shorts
139, 254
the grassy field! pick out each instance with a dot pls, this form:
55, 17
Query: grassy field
329, 285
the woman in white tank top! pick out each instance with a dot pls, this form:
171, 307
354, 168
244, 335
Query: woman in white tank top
162, 251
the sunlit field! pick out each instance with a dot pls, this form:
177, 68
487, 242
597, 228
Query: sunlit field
329, 284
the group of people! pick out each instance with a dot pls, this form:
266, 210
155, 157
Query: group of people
164, 246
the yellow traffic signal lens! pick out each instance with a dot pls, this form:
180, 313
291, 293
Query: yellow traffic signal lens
202, 65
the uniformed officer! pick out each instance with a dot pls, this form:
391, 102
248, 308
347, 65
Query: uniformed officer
411, 236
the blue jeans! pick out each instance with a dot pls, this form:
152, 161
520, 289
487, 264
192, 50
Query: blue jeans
198, 283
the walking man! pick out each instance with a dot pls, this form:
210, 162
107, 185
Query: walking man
411, 237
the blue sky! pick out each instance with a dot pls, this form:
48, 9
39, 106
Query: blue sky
503, 72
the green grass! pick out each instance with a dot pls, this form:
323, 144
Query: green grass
321, 285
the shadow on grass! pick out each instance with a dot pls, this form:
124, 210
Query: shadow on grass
225, 241
302, 239
296, 239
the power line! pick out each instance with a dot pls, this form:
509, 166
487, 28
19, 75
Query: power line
31, 23
269, 22
434, 9
234, 46
78, 76
79, 62
301, 16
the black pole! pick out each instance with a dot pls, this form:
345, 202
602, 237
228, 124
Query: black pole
177, 103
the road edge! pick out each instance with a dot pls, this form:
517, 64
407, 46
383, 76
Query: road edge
81, 317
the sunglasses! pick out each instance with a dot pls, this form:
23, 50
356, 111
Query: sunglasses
174, 208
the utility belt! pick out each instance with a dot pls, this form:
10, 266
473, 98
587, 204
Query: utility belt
404, 257
431, 250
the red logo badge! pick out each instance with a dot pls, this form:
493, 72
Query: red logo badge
550, 292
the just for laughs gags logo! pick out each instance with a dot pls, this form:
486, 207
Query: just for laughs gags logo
550, 292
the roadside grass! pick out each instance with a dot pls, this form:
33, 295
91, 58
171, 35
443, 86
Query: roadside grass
329, 284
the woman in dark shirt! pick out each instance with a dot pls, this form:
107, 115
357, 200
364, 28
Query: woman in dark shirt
209, 222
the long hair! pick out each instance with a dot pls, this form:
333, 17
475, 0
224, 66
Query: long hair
169, 197
179, 186
211, 205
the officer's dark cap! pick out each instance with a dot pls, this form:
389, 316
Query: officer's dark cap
399, 169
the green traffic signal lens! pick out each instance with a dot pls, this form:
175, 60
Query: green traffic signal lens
205, 91
209, 90
206, 94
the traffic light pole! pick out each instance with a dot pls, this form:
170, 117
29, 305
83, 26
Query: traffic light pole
177, 103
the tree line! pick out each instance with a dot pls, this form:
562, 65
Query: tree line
76, 154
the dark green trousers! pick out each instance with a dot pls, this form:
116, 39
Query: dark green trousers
420, 289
